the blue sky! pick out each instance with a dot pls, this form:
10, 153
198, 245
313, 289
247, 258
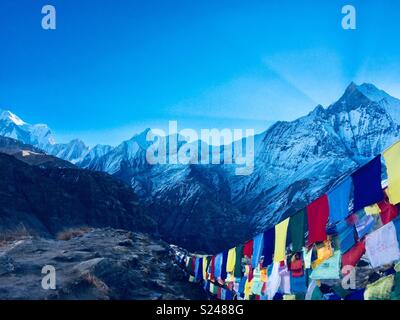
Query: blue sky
114, 67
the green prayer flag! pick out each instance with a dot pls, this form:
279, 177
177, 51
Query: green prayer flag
380, 289
395, 295
296, 231
238, 272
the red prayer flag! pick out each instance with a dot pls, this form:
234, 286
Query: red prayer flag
212, 268
351, 257
219, 291
317, 215
388, 211
296, 267
248, 249
352, 219
251, 274
194, 264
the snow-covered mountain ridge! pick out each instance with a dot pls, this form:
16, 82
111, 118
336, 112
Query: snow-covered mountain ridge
208, 207
40, 136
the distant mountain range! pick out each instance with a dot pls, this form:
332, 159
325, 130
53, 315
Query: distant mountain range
208, 207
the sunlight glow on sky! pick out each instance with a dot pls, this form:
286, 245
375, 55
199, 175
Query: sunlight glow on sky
113, 67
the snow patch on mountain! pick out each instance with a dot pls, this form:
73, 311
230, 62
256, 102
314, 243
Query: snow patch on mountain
74, 151
8, 115
12, 126
96, 152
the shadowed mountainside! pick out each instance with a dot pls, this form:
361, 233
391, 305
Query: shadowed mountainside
46, 201
100, 264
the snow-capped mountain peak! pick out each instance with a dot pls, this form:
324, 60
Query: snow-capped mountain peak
370, 92
374, 94
12, 126
40, 136
73, 151
43, 134
8, 115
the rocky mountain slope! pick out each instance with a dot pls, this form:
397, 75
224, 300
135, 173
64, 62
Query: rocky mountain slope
47, 210
178, 197
100, 264
31, 155
72, 151
46, 201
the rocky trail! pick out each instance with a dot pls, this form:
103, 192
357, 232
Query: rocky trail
99, 264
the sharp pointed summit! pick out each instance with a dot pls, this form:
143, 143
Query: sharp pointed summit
352, 94
8, 115
12, 126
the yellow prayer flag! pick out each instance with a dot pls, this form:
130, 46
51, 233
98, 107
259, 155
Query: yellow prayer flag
392, 160
373, 209
280, 240
205, 265
230, 264
324, 252
247, 289
247, 270
264, 275
380, 289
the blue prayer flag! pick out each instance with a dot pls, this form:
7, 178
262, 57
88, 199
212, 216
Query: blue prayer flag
228, 295
364, 225
397, 226
200, 267
217, 265
298, 284
257, 250
223, 264
338, 200
346, 233
242, 285
268, 247
196, 268
367, 184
